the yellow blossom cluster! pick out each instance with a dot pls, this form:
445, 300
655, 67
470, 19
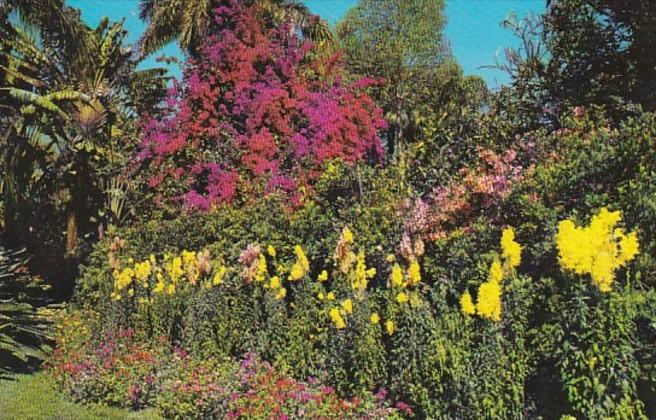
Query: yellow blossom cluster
301, 266
360, 275
339, 314
400, 282
167, 276
598, 249
489, 304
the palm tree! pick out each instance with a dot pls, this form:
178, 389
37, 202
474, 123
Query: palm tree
190, 21
65, 106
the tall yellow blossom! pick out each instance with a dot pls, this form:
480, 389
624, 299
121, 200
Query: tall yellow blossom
396, 277
347, 304
261, 272
467, 304
361, 275
323, 276
374, 318
337, 319
271, 251
489, 300
389, 326
301, 266
598, 249
510, 249
402, 298
174, 269
347, 235
218, 275
274, 283
414, 273
496, 272
142, 270
282, 292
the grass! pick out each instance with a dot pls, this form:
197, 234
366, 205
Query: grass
27, 397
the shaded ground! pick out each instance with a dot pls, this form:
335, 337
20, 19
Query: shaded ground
32, 396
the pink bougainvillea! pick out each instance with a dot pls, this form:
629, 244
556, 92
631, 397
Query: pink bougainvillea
479, 188
257, 111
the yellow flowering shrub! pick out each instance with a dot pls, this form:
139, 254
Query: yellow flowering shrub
598, 249
489, 303
489, 300
337, 319
510, 249
396, 277
301, 266
414, 273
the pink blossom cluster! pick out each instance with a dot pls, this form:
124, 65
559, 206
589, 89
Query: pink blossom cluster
479, 188
258, 111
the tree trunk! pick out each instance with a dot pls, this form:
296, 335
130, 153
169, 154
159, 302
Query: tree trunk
71, 230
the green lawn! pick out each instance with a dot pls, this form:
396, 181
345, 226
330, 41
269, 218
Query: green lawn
26, 397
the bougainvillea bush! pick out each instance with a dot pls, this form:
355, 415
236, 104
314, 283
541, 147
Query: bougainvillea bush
259, 110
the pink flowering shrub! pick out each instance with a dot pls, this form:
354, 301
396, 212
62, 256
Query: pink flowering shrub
479, 189
119, 369
258, 111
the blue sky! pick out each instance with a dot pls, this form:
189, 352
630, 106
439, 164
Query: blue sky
473, 27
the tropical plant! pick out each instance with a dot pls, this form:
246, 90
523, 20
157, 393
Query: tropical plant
69, 121
191, 22
23, 330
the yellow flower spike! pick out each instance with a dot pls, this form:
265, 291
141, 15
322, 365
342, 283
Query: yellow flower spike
371, 272
271, 251
510, 249
302, 258
282, 292
396, 277
598, 249
323, 276
496, 272
337, 319
347, 235
174, 269
374, 318
467, 304
261, 268
142, 270
489, 300
218, 275
296, 272
321, 296
130, 292
629, 248
330, 296
152, 259
274, 283
402, 298
414, 273
389, 327
390, 258
347, 304
159, 287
